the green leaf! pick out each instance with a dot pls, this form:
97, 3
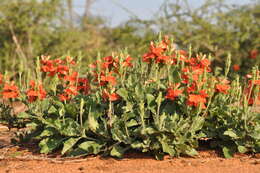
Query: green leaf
168, 149
117, 151
228, 152
70, 128
149, 131
71, 109
76, 152
255, 135
24, 115
58, 103
49, 131
52, 110
49, 144
137, 145
192, 152
45, 104
62, 112
91, 147
159, 99
69, 144
32, 125
55, 123
242, 149
150, 98
197, 124
123, 93
92, 122
131, 123
119, 132
231, 134
139, 92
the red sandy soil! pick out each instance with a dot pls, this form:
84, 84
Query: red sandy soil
14, 159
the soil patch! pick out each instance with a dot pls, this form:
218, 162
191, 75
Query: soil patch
15, 159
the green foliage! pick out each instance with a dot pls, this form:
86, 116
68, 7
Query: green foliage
232, 129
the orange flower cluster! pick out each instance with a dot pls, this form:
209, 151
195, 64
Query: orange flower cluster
106, 77
156, 52
192, 74
193, 79
173, 92
110, 96
10, 90
72, 83
36, 92
68, 92
198, 99
57, 66
193, 84
223, 86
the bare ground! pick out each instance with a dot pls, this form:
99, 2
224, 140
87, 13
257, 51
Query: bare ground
15, 159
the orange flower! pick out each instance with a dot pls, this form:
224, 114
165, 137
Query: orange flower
107, 79
111, 97
222, 88
42, 92
70, 60
236, 67
156, 50
204, 63
148, 57
173, 93
162, 59
71, 90
48, 67
196, 100
192, 87
71, 78
36, 92
256, 100
127, 62
58, 61
185, 79
63, 97
52, 67
10, 91
62, 71
182, 52
256, 82
253, 54
109, 63
83, 85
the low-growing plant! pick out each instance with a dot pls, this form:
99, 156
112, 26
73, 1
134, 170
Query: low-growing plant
162, 103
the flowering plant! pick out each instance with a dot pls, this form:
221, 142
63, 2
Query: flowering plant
164, 102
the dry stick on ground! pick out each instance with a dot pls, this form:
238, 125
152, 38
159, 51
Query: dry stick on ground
52, 160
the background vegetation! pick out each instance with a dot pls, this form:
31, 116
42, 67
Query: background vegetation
30, 28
